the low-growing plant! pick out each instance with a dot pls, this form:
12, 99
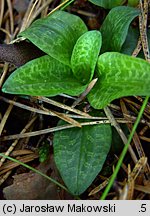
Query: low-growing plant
73, 56
109, 4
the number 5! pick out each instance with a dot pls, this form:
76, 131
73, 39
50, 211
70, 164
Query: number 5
143, 207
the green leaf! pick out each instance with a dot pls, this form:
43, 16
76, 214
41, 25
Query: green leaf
43, 76
115, 27
56, 34
80, 154
119, 75
131, 41
108, 4
44, 151
85, 55
133, 3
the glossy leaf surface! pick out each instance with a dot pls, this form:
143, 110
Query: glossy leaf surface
85, 55
43, 76
80, 154
131, 41
119, 75
56, 34
115, 27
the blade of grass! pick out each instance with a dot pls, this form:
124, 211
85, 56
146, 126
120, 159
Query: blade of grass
67, 4
113, 177
58, 7
34, 170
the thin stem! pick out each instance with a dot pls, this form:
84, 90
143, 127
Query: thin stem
58, 7
49, 130
67, 4
120, 131
34, 170
113, 177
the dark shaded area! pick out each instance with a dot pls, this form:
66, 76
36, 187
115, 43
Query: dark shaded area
19, 53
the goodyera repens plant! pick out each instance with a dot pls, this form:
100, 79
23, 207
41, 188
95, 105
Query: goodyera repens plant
73, 57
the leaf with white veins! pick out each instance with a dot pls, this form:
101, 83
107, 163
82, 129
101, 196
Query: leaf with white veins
44, 76
80, 153
115, 27
56, 34
119, 75
85, 55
